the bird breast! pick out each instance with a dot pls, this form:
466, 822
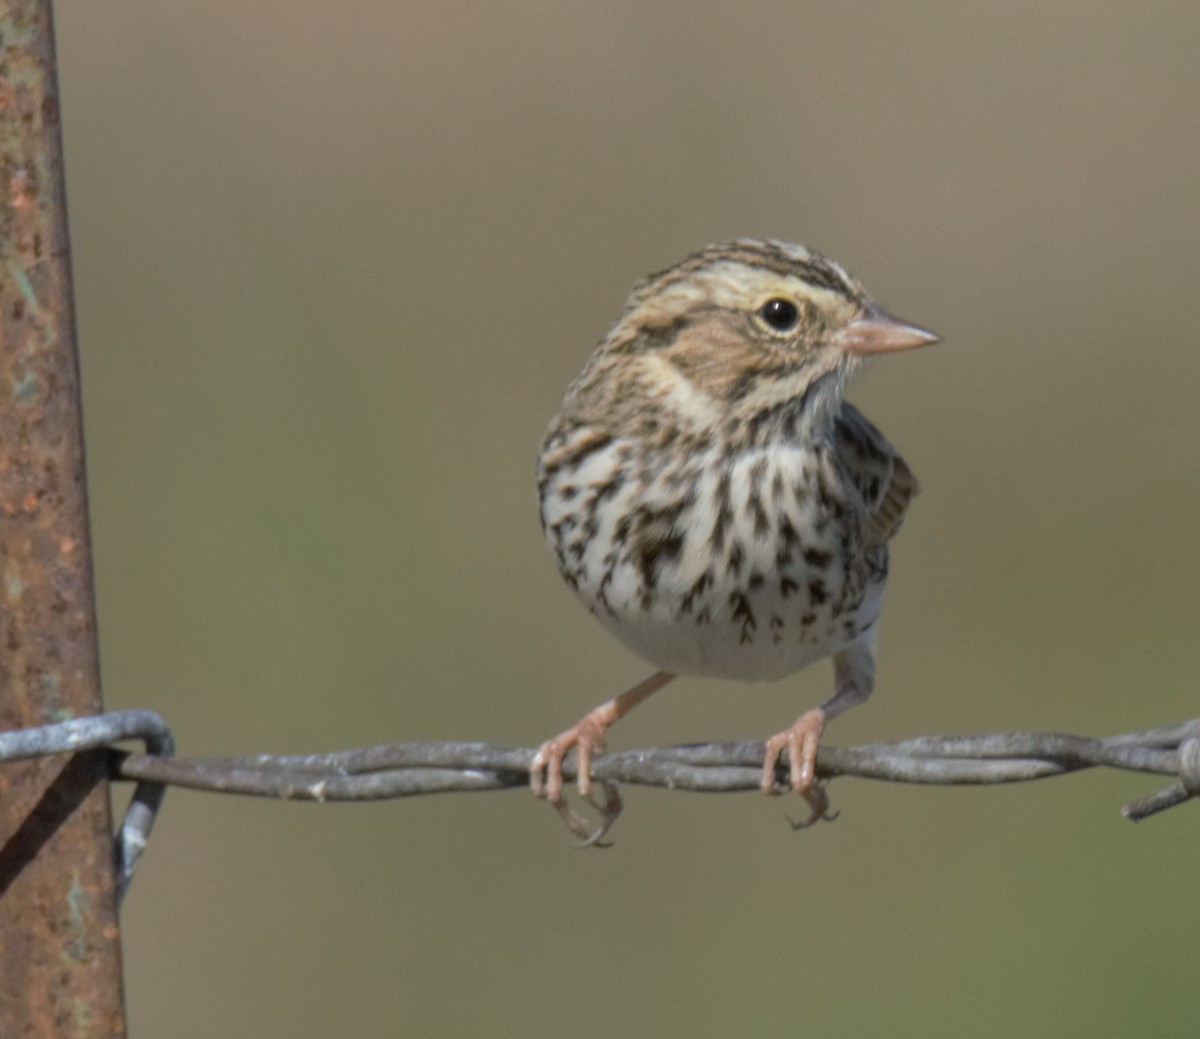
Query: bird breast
747, 564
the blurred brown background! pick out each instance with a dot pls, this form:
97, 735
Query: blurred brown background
335, 265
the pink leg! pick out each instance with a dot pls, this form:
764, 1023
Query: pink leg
854, 677
588, 737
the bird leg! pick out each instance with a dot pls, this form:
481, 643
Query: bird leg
854, 678
588, 737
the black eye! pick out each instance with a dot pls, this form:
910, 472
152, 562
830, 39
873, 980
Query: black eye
780, 314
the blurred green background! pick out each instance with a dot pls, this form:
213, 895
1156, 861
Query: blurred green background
335, 265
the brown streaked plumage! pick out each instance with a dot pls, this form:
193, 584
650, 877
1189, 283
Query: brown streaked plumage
713, 500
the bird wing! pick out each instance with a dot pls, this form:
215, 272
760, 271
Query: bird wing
881, 476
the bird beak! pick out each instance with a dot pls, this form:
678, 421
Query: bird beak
879, 332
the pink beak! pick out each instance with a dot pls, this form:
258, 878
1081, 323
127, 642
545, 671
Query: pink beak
879, 332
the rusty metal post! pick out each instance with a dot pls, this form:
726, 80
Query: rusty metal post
60, 963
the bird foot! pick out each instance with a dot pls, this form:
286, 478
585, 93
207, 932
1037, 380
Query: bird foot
546, 776
587, 736
801, 742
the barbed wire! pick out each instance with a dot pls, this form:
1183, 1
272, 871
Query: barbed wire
413, 769
85, 734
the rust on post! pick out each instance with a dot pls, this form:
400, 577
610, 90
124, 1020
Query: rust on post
60, 964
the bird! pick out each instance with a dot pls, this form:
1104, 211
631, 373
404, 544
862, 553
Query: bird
714, 501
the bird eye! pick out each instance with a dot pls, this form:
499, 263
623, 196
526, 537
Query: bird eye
780, 314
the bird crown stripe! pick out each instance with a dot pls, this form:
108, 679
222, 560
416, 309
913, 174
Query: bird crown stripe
810, 267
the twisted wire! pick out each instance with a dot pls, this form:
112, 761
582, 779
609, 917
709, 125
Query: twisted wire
413, 769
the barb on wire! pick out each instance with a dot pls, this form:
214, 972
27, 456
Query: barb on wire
99, 731
410, 769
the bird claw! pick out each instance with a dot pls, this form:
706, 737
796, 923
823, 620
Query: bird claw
592, 836
587, 736
801, 742
546, 779
818, 804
